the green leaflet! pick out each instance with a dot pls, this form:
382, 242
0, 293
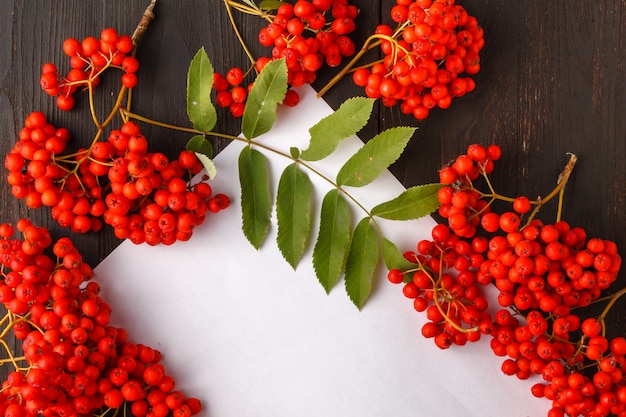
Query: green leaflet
208, 165
200, 108
361, 263
394, 258
374, 157
270, 4
333, 240
256, 204
293, 213
200, 144
413, 203
346, 121
268, 91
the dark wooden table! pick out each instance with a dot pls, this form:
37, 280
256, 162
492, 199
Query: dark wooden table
553, 81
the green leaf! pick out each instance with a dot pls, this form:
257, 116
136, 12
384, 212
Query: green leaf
333, 240
256, 204
361, 263
295, 152
200, 144
271, 4
208, 165
293, 213
374, 157
200, 108
413, 203
346, 121
394, 259
268, 91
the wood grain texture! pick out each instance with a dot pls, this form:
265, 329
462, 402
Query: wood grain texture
553, 81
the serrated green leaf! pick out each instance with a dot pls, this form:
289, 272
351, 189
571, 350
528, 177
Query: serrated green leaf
271, 4
208, 164
394, 259
374, 157
200, 108
333, 240
411, 204
346, 121
293, 213
268, 91
256, 203
361, 263
200, 144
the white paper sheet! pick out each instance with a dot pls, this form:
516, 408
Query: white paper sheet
251, 337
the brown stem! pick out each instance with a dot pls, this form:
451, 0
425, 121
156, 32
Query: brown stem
612, 301
563, 178
144, 22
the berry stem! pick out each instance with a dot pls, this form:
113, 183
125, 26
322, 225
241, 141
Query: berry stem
370, 42
229, 5
255, 11
11, 359
608, 307
558, 190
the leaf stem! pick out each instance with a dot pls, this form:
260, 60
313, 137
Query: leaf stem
131, 115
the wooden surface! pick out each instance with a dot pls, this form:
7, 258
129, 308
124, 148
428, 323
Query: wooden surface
553, 81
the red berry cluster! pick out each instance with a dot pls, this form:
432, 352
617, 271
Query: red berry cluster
74, 363
544, 274
89, 58
307, 34
425, 57
459, 202
144, 196
445, 286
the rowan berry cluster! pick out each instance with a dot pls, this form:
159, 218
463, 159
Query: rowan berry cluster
75, 362
543, 273
463, 205
308, 35
89, 58
427, 58
143, 195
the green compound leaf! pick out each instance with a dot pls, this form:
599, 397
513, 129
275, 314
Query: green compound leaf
374, 157
293, 213
362, 262
268, 91
394, 259
346, 121
333, 240
200, 108
256, 203
411, 204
